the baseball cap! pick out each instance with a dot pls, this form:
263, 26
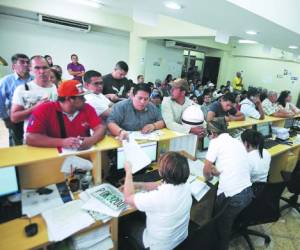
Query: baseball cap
71, 88
181, 83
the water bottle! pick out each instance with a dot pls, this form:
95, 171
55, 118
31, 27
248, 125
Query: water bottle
86, 181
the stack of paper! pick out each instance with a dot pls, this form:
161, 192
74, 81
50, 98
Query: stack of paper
66, 220
98, 238
104, 199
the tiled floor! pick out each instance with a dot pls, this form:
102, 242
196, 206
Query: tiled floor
285, 233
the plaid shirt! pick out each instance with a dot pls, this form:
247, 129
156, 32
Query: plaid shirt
268, 107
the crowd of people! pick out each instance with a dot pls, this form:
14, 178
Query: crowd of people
41, 109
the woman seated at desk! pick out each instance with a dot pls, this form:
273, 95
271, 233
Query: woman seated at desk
167, 205
285, 102
259, 158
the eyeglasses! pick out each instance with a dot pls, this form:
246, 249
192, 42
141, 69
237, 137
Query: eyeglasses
97, 83
41, 67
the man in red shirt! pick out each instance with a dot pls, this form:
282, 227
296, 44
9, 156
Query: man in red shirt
67, 122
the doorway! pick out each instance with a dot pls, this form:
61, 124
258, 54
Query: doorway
211, 69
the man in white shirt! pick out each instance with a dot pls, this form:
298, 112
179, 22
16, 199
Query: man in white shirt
251, 106
231, 165
94, 83
40, 90
167, 205
172, 108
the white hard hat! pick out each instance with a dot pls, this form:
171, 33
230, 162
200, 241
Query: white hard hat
192, 116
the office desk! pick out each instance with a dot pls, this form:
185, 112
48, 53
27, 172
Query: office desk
284, 157
249, 122
40, 167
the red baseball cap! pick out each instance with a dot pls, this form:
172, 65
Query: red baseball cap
71, 88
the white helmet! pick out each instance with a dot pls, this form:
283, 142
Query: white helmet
193, 116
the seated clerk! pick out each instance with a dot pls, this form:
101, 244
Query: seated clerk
285, 102
259, 158
167, 204
173, 106
94, 84
136, 113
224, 108
270, 106
251, 105
231, 165
46, 130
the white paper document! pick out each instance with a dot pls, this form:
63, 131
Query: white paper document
104, 199
66, 220
187, 143
196, 179
88, 240
135, 155
34, 203
138, 135
70, 151
75, 162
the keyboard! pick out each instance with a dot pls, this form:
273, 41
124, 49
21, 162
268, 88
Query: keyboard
269, 143
147, 177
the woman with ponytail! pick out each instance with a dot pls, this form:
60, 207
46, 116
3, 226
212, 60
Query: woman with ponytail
259, 158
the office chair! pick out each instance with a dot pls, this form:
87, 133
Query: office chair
292, 180
264, 208
203, 237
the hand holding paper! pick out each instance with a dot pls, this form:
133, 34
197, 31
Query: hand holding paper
135, 155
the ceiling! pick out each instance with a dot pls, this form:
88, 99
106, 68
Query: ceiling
276, 29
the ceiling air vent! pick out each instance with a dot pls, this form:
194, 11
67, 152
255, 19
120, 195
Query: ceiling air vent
64, 23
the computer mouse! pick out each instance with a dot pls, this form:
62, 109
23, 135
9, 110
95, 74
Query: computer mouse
44, 190
31, 229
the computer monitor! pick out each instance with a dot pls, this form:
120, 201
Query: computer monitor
9, 183
205, 143
265, 129
289, 123
149, 148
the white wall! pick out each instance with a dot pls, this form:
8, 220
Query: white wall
169, 60
265, 69
96, 50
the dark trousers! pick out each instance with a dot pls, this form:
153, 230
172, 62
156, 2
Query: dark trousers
132, 228
236, 204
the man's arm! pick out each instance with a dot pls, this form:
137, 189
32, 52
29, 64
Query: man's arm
239, 116
148, 128
210, 116
74, 73
41, 140
18, 113
116, 130
98, 135
282, 114
169, 119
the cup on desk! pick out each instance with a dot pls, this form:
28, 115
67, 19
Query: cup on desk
74, 185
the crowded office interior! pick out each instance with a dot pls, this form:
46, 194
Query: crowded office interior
149, 124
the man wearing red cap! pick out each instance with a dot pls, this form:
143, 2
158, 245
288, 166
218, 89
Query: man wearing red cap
67, 122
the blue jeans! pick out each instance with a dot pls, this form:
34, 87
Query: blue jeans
236, 204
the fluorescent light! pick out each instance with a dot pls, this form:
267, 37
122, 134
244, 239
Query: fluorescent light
247, 41
251, 32
293, 47
91, 3
173, 5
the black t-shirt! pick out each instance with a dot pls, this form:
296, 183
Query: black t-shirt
217, 109
115, 86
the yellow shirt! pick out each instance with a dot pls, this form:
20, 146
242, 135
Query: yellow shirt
237, 83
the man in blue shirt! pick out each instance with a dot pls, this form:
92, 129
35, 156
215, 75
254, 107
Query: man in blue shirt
20, 66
